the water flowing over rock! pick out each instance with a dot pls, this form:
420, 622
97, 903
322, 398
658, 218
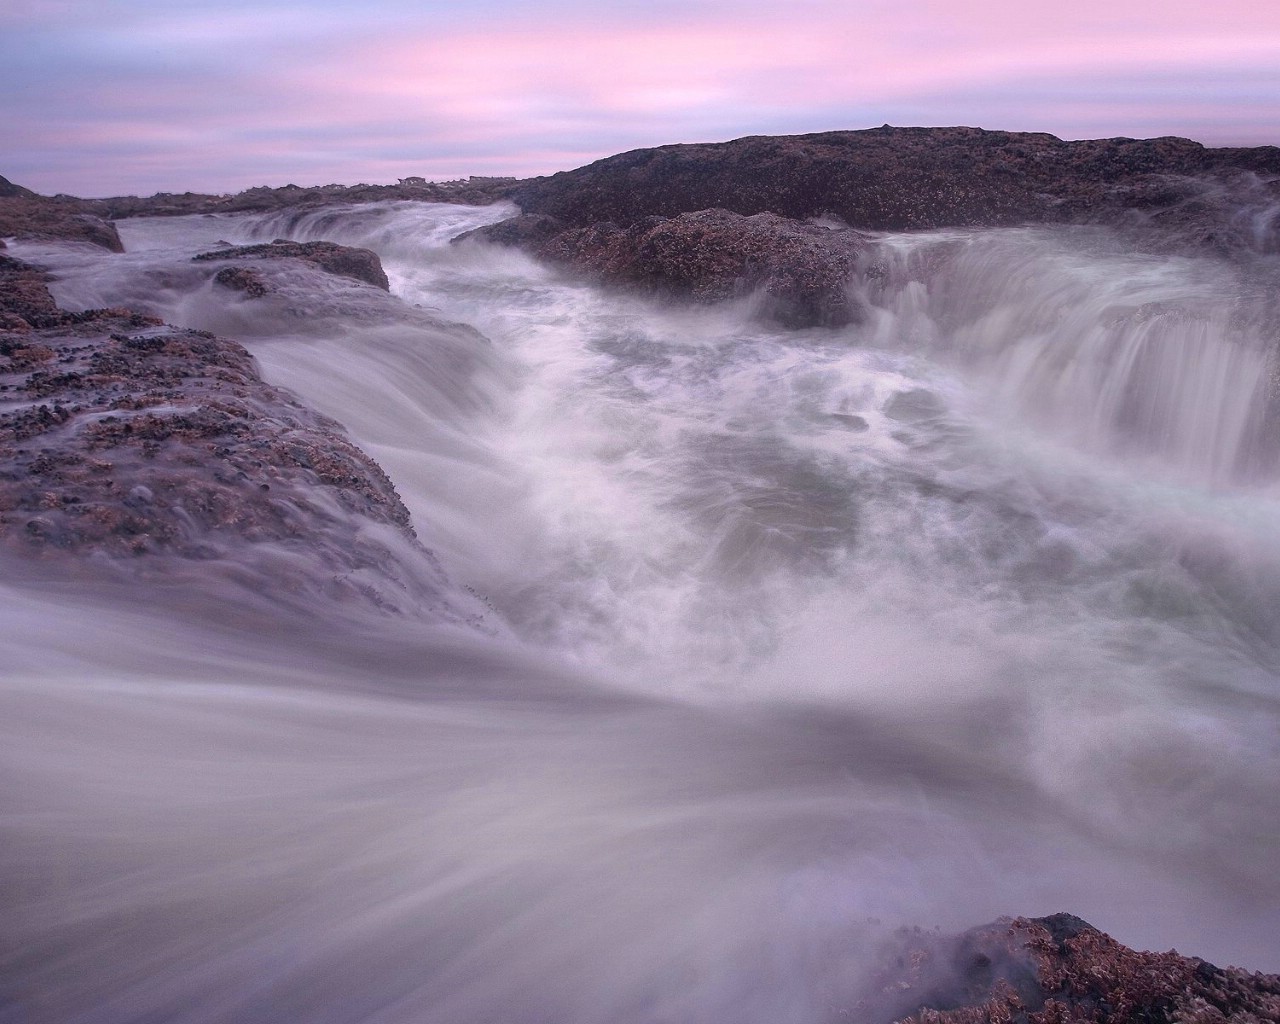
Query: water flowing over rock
801, 271
1052, 970
345, 261
737, 652
626, 219
26, 215
125, 437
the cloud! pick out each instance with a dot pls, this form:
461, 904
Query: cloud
256, 88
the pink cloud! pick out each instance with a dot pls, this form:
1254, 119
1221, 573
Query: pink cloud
523, 71
296, 87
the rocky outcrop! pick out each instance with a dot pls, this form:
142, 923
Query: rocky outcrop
474, 191
345, 261
8, 190
25, 301
28, 216
123, 439
799, 271
242, 279
715, 220
1053, 970
886, 178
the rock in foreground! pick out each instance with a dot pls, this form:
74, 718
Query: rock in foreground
121, 437
1053, 970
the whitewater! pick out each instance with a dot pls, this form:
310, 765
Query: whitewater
764, 643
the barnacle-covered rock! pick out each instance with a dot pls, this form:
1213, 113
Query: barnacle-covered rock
1052, 970
343, 260
800, 271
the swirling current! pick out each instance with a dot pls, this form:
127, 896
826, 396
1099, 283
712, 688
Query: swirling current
777, 640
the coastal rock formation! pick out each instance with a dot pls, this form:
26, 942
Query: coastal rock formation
23, 214
242, 279
894, 179
800, 271
8, 190
1053, 970
343, 260
473, 191
686, 219
25, 301
123, 437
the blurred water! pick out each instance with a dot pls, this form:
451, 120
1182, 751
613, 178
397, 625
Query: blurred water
789, 638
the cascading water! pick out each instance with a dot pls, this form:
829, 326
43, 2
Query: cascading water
790, 638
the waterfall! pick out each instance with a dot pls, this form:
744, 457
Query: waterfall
786, 639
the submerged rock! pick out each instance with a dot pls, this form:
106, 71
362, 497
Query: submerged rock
1052, 970
343, 260
242, 279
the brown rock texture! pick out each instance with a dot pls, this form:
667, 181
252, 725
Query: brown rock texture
8, 190
242, 279
801, 271
686, 219
1054, 970
888, 178
25, 301
474, 191
121, 437
25, 215
100, 411
345, 261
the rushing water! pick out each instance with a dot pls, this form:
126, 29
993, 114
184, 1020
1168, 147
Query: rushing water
787, 639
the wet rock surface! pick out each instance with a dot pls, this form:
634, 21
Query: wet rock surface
648, 218
343, 260
800, 271
242, 279
124, 437
25, 215
1052, 970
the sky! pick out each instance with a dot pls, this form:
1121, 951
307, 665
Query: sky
115, 97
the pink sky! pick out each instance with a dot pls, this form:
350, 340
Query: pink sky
113, 96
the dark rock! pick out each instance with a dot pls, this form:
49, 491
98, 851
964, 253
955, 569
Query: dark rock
527, 231
242, 279
123, 438
851, 421
24, 293
8, 190
880, 179
345, 261
1053, 970
26, 304
687, 220
475, 191
801, 271
66, 219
